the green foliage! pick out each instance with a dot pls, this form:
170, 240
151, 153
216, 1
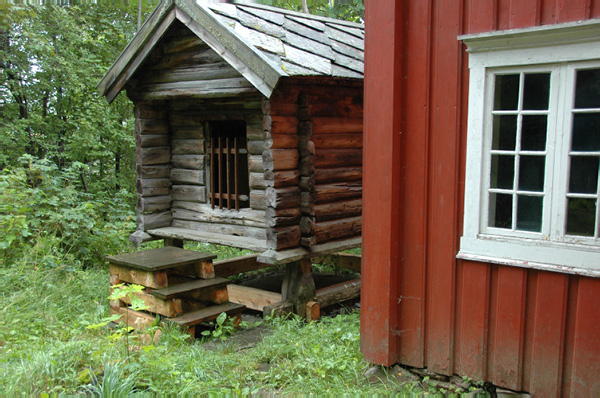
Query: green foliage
44, 207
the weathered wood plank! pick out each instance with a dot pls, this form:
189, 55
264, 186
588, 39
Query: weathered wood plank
338, 293
203, 236
255, 163
283, 178
336, 125
330, 158
187, 176
222, 229
205, 213
184, 288
282, 217
154, 220
280, 159
252, 298
217, 70
150, 110
154, 155
238, 265
186, 58
207, 314
257, 181
338, 174
153, 204
158, 171
152, 126
258, 200
154, 280
135, 319
278, 309
283, 198
197, 91
338, 191
283, 237
151, 140
344, 140
189, 193
335, 210
183, 132
157, 305
337, 229
194, 162
187, 147
153, 186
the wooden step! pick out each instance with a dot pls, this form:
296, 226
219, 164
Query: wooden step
186, 287
207, 314
160, 259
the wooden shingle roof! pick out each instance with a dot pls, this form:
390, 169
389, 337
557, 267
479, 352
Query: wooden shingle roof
262, 43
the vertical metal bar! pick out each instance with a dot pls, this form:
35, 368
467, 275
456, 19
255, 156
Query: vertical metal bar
237, 179
220, 161
212, 171
227, 151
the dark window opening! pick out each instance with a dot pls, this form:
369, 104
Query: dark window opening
229, 182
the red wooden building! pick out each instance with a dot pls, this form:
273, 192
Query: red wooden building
481, 231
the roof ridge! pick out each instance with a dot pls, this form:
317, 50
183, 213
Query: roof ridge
298, 14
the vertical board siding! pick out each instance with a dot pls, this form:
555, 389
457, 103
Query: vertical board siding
518, 328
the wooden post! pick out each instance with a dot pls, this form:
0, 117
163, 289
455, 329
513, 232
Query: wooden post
298, 285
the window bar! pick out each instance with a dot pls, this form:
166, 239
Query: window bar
236, 179
212, 167
220, 162
228, 152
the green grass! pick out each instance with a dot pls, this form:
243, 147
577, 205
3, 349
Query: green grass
47, 347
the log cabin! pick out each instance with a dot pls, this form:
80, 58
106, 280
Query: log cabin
481, 191
248, 128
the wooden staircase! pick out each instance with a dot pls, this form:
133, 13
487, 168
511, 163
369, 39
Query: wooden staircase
179, 285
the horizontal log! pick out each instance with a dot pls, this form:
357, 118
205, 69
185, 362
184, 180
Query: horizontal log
209, 215
159, 171
188, 193
182, 58
187, 176
284, 125
348, 140
258, 199
283, 198
338, 293
279, 108
335, 210
150, 110
183, 43
335, 125
255, 299
256, 147
195, 162
337, 229
328, 158
278, 309
255, 163
283, 237
198, 88
151, 126
153, 186
219, 104
238, 265
281, 141
280, 159
222, 229
341, 260
283, 178
338, 174
154, 155
254, 129
184, 133
217, 70
153, 204
187, 147
154, 220
134, 319
155, 305
338, 191
282, 217
257, 181
151, 140
154, 280
347, 107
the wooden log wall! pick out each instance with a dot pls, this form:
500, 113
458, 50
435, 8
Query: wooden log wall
191, 205
153, 157
313, 162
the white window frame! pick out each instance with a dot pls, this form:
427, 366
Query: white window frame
560, 49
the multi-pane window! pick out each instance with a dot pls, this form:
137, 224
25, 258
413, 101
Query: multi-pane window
534, 118
532, 181
228, 165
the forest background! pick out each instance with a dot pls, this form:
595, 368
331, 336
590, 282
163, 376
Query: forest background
67, 181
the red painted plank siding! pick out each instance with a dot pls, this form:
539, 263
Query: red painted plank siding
518, 328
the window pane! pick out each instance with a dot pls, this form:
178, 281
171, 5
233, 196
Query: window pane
506, 92
500, 210
586, 132
529, 213
505, 132
531, 173
536, 91
587, 91
503, 171
533, 133
581, 214
584, 174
